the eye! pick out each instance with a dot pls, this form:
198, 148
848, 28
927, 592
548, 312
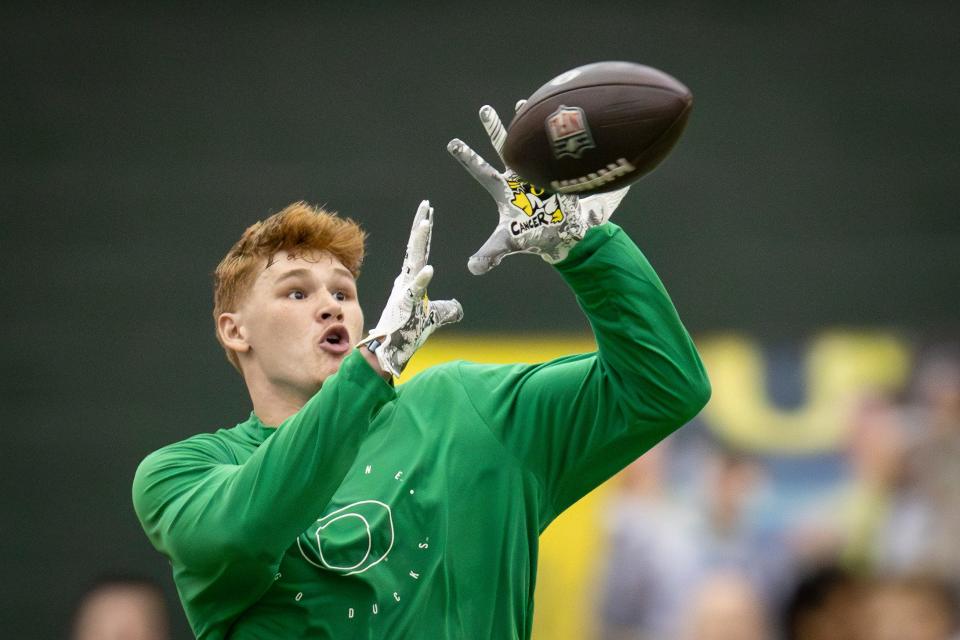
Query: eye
340, 295
296, 294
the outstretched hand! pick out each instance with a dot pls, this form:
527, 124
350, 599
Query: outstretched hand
409, 316
531, 220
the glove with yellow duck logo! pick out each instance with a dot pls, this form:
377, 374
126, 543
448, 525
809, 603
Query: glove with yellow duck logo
531, 219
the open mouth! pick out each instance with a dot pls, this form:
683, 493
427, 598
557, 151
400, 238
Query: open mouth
336, 339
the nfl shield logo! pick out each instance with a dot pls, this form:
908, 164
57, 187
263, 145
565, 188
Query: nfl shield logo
568, 131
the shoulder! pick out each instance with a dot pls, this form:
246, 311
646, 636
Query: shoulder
456, 372
213, 447
475, 376
180, 459
434, 378
465, 372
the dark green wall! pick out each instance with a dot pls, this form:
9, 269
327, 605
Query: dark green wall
816, 185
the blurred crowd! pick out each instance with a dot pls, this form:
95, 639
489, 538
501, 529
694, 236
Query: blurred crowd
710, 542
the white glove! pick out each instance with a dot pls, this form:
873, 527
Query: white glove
409, 316
531, 221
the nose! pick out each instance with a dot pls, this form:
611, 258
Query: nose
330, 309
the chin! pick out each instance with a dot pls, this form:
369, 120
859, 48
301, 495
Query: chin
327, 371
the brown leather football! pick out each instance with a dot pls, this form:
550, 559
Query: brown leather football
597, 128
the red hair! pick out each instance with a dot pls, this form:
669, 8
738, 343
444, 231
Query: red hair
299, 228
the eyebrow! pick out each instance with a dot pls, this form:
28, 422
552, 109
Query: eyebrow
293, 273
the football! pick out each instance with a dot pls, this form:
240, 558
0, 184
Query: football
597, 128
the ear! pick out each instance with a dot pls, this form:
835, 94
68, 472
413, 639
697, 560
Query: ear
231, 332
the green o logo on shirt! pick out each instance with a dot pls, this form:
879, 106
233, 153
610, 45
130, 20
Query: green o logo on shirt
351, 539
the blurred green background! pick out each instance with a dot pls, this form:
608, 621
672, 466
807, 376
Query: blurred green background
815, 186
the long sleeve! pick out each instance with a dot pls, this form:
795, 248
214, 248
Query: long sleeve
226, 524
575, 421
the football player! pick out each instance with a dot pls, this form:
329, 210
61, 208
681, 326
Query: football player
346, 507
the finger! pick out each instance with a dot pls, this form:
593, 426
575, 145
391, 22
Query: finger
418, 246
425, 249
419, 284
491, 253
600, 207
422, 210
479, 168
494, 127
611, 200
445, 312
519, 105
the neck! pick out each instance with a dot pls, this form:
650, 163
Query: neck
273, 404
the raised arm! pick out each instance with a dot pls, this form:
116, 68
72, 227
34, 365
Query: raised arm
576, 421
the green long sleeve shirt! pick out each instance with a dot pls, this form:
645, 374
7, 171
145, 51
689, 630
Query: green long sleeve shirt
415, 512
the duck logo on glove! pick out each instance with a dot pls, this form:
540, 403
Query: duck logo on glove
529, 199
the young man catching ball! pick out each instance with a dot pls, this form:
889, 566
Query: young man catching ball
344, 507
